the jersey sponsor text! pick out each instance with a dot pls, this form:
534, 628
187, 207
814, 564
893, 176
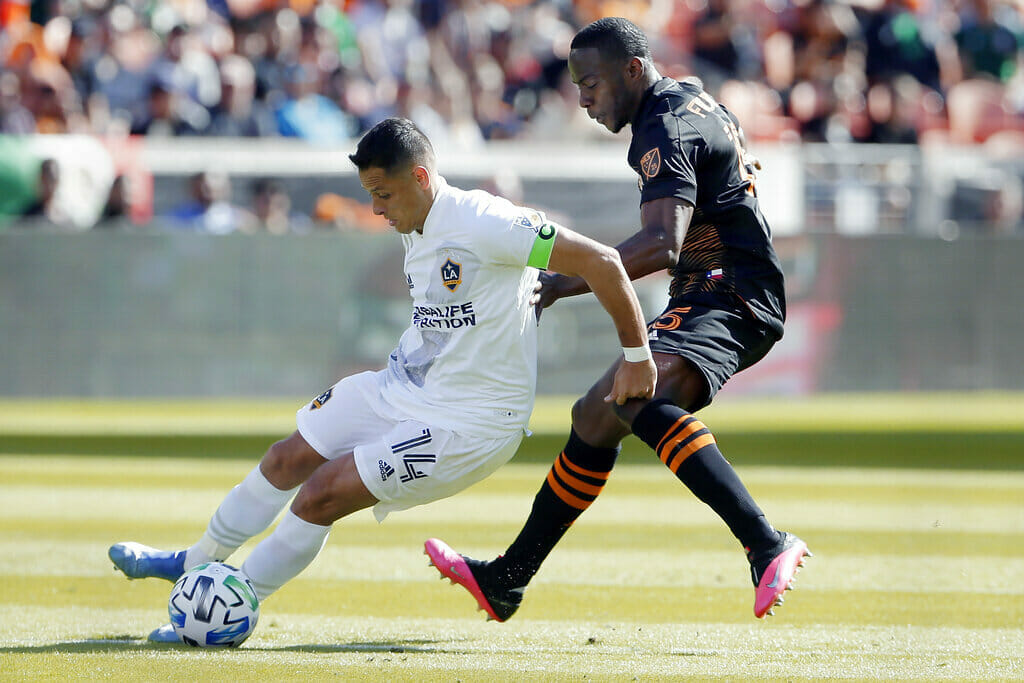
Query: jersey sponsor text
444, 317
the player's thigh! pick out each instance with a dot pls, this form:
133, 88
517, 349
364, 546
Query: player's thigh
414, 463
346, 415
334, 490
712, 344
680, 381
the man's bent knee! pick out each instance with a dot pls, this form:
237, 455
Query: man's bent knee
596, 422
290, 462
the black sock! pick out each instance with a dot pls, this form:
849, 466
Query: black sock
687, 447
572, 484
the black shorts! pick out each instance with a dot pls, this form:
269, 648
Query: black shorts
719, 342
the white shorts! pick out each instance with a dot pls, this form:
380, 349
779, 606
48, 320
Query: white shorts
402, 461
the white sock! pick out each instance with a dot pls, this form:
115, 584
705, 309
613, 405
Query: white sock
284, 553
248, 509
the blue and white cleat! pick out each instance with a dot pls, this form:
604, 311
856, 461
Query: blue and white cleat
164, 634
139, 561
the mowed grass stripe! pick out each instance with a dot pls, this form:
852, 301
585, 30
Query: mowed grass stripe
669, 569
550, 601
805, 484
169, 472
987, 411
486, 540
295, 647
785, 511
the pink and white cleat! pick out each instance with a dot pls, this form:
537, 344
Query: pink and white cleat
497, 601
773, 572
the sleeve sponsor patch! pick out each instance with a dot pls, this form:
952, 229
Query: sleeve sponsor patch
530, 219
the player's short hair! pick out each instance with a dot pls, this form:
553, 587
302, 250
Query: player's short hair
615, 38
392, 144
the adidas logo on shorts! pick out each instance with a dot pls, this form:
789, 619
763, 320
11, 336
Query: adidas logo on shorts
386, 470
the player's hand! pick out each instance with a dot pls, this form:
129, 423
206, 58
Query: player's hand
547, 291
535, 297
633, 380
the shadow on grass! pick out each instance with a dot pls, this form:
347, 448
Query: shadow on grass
130, 644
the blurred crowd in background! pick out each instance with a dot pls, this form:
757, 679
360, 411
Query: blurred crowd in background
474, 70
469, 71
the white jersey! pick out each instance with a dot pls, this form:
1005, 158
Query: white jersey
468, 361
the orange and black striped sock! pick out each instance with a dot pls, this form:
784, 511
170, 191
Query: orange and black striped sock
573, 483
689, 449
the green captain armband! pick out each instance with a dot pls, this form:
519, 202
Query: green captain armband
542, 246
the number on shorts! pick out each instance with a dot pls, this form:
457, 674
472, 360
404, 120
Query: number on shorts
671, 319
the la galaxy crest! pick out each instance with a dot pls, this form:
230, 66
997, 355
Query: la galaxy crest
451, 274
650, 163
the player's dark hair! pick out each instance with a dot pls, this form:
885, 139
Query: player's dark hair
392, 144
615, 38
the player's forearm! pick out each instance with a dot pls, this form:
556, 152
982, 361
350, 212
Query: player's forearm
641, 255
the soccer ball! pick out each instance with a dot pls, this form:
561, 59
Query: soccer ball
213, 605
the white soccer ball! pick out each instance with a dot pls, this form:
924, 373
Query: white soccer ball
213, 605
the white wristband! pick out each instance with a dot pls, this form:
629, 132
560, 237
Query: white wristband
637, 354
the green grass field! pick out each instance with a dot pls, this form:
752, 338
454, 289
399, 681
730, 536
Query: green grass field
914, 508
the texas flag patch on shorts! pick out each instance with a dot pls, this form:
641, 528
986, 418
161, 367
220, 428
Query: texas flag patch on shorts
714, 274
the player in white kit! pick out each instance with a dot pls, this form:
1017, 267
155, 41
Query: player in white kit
453, 403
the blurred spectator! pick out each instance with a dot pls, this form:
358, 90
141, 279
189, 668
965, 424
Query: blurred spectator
891, 108
334, 212
185, 69
117, 209
239, 113
988, 44
272, 210
210, 209
169, 113
309, 115
118, 78
725, 45
900, 41
82, 51
45, 210
15, 118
